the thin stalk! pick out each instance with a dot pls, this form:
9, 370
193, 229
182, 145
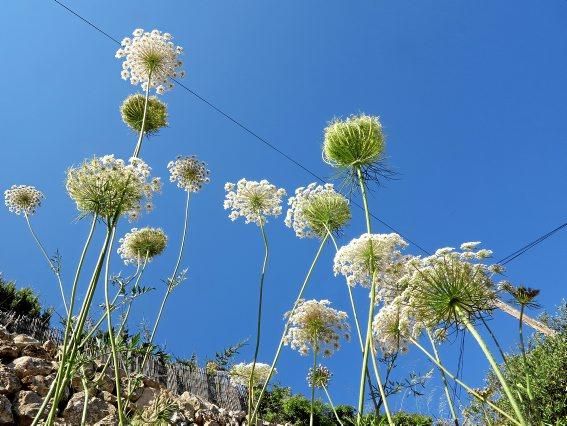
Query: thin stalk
53, 268
368, 344
142, 130
280, 344
444, 378
332, 405
259, 320
495, 340
461, 383
171, 280
111, 331
533, 323
313, 387
86, 402
493, 364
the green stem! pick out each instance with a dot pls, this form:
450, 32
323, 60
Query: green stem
111, 331
461, 383
171, 279
332, 405
493, 364
313, 386
85, 402
444, 378
53, 268
142, 129
280, 344
259, 320
368, 344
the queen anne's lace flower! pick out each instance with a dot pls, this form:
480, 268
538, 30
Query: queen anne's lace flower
253, 201
108, 187
141, 245
319, 376
316, 326
240, 374
23, 199
150, 56
316, 210
368, 255
189, 173
132, 112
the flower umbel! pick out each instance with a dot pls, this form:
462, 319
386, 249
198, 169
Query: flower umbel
108, 187
23, 199
240, 374
150, 56
316, 210
141, 245
253, 201
392, 326
319, 376
189, 173
316, 326
132, 111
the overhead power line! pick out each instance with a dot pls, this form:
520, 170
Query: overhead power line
503, 261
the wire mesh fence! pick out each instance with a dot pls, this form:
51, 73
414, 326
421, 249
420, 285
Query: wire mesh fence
178, 378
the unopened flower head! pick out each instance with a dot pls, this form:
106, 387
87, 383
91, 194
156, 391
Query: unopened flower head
316, 326
450, 284
23, 199
393, 325
189, 173
355, 142
316, 210
141, 245
254, 201
370, 255
240, 374
109, 187
319, 376
150, 57
132, 111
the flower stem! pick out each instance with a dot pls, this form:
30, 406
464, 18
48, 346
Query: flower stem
313, 386
493, 364
143, 128
111, 331
257, 348
368, 344
85, 402
54, 269
332, 405
461, 383
171, 280
280, 345
444, 378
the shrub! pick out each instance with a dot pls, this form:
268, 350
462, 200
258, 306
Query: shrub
21, 301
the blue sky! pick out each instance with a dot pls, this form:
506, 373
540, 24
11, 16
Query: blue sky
471, 96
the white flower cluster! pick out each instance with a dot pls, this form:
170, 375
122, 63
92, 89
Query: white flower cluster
23, 199
316, 326
141, 245
393, 325
319, 376
368, 255
295, 217
150, 57
253, 201
109, 187
240, 374
189, 173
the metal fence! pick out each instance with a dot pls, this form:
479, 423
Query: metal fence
178, 378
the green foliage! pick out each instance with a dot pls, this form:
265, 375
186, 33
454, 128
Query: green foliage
21, 301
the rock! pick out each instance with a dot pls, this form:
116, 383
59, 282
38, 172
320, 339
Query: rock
5, 335
177, 418
108, 397
9, 382
50, 347
35, 351
38, 384
211, 423
151, 383
30, 366
26, 406
9, 352
148, 396
23, 340
105, 381
97, 409
110, 420
6, 416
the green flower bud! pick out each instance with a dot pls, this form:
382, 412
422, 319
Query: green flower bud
132, 111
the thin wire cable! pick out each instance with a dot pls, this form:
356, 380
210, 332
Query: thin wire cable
245, 128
